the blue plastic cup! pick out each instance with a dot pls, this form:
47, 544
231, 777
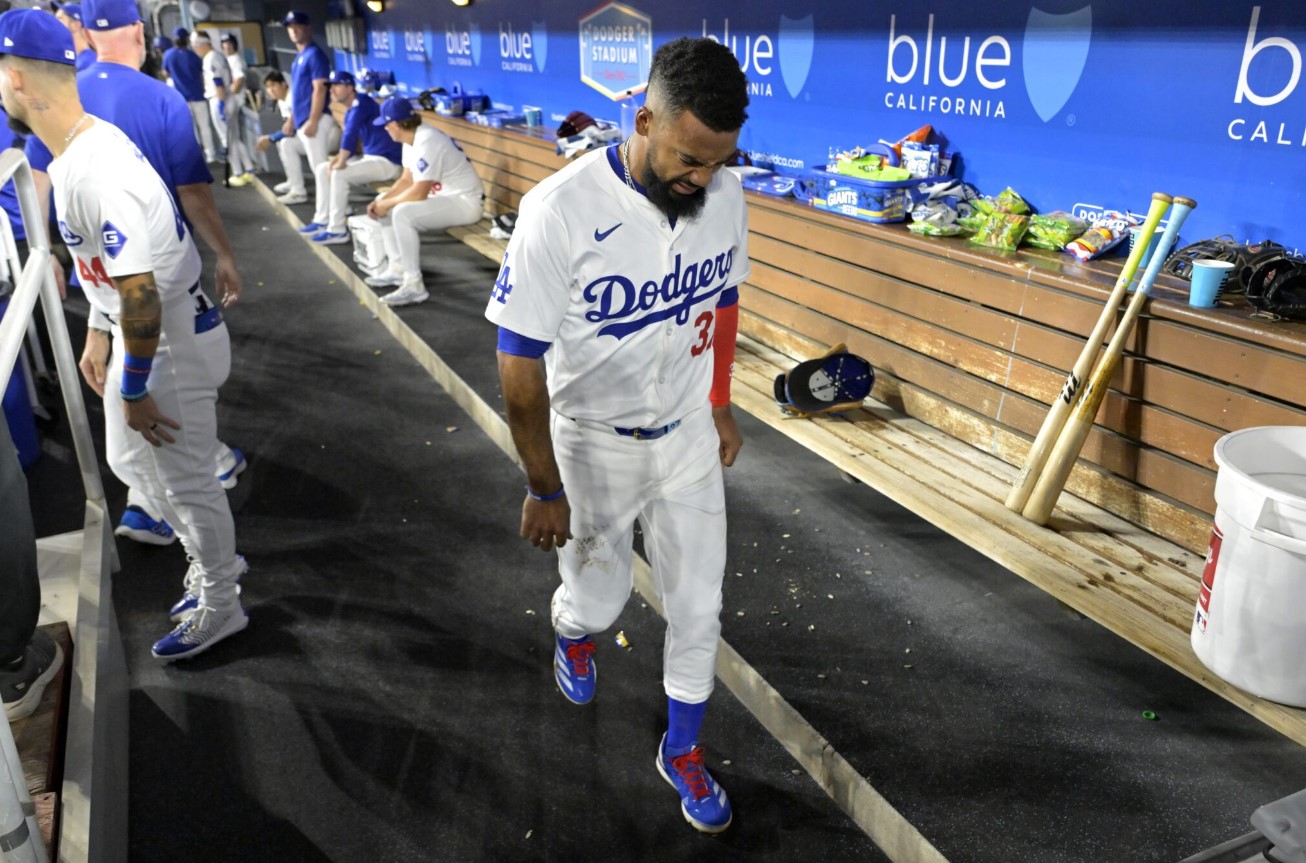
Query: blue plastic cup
1208, 277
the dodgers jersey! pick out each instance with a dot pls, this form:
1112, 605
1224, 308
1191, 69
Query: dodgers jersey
309, 65
216, 71
117, 218
626, 298
434, 156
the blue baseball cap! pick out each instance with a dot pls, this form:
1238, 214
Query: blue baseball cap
180, 33
109, 14
295, 16
36, 35
162, 43
72, 10
340, 76
395, 109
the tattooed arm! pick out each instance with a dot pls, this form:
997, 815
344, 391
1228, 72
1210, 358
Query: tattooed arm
141, 321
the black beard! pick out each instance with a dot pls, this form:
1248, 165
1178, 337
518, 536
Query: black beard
668, 200
19, 127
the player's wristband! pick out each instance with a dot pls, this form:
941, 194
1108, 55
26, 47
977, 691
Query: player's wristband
546, 497
276, 136
135, 374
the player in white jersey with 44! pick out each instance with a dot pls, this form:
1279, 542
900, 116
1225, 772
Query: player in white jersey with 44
139, 268
623, 273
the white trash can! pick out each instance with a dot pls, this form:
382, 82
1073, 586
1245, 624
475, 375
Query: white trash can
1250, 624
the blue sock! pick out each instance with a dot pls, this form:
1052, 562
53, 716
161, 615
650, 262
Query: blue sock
684, 720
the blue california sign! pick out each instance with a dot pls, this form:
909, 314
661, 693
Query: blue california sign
616, 49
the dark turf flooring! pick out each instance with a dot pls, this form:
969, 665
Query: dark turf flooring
392, 698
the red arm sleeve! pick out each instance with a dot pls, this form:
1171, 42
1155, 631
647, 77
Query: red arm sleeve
723, 353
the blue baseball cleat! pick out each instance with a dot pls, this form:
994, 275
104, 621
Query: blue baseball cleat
137, 525
702, 801
228, 478
574, 669
204, 628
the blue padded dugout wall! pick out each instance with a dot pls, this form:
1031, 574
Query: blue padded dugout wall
1074, 104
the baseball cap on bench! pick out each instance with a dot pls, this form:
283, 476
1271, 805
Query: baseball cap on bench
109, 14
576, 122
36, 35
835, 381
394, 110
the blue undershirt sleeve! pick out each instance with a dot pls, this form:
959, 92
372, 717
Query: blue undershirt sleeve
521, 346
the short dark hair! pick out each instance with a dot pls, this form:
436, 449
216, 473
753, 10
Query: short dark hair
273, 77
410, 123
701, 76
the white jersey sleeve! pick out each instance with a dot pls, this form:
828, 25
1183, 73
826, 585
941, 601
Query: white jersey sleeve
434, 157
216, 69
536, 262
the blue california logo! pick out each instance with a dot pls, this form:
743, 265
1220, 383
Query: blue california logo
943, 72
1055, 51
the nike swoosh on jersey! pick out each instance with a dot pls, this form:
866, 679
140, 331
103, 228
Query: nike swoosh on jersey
601, 236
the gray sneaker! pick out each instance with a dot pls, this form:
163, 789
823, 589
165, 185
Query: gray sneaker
22, 685
384, 280
410, 293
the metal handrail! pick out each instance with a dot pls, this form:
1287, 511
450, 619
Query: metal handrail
37, 279
95, 767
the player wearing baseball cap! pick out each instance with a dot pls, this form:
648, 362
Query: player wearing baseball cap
186, 71
70, 15
155, 118
223, 110
309, 120
140, 270
438, 189
623, 273
379, 163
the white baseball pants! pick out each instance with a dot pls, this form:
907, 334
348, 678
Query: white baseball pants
224, 462
188, 369
333, 186
199, 115
674, 486
229, 135
400, 228
315, 149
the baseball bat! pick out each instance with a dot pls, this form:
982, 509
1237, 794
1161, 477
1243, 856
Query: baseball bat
1060, 407
1066, 450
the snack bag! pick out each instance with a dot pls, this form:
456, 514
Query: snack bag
1010, 202
1107, 231
1053, 230
1002, 231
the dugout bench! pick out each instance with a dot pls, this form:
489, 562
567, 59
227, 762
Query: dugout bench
970, 345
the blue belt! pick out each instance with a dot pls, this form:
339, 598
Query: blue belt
648, 434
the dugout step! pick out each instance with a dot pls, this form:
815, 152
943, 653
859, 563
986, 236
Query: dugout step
41, 737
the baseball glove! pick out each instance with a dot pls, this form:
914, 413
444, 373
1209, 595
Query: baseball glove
1277, 289
1245, 259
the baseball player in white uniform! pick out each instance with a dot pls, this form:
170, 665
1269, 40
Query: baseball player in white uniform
224, 109
140, 269
438, 189
623, 273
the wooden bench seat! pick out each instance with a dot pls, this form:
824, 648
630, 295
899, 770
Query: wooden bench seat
1138, 585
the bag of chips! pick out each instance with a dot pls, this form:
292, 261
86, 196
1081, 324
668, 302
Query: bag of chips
1002, 231
1053, 230
1106, 232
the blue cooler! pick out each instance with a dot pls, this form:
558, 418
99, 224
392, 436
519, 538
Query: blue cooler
18, 410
